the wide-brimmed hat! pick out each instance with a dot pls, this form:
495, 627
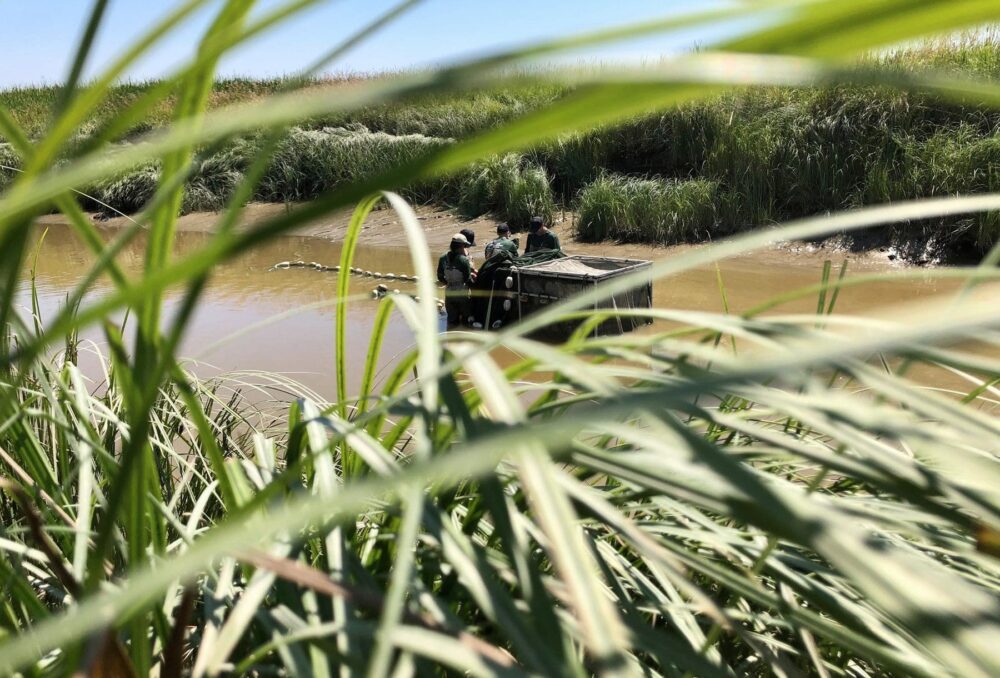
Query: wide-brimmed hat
460, 239
469, 234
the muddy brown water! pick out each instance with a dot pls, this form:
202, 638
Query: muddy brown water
253, 319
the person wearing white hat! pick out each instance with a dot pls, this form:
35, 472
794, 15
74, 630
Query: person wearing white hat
455, 272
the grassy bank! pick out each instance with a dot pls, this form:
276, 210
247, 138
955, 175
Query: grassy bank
769, 154
642, 210
441, 115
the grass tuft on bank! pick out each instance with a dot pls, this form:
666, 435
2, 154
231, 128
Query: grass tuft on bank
509, 187
626, 209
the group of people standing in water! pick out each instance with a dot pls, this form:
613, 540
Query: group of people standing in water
456, 272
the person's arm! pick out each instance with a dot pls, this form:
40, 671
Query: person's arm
466, 269
555, 242
441, 278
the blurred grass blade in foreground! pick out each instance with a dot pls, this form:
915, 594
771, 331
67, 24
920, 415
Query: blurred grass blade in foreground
726, 495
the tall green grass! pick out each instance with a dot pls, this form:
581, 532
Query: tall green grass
508, 187
638, 210
947, 163
726, 495
778, 153
8, 159
308, 163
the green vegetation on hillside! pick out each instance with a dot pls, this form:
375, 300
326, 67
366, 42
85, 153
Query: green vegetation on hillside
772, 154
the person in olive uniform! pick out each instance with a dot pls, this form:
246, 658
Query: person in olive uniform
502, 243
540, 237
455, 272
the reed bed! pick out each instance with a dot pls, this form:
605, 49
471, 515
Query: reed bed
510, 188
777, 154
726, 495
639, 210
308, 163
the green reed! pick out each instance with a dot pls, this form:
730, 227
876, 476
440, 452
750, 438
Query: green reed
724, 495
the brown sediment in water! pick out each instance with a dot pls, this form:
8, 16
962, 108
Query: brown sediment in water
283, 320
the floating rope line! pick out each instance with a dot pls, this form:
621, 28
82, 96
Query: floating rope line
378, 292
316, 266
381, 291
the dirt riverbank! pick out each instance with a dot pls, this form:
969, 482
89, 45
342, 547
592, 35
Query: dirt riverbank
383, 229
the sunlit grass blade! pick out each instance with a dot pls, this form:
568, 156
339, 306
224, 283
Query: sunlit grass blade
343, 284
654, 503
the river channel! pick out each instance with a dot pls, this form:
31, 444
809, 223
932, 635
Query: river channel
253, 319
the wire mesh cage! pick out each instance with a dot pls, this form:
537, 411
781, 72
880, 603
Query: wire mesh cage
539, 285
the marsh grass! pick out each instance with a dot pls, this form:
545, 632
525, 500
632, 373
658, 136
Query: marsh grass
308, 163
777, 153
131, 191
947, 163
627, 209
10, 163
736, 495
510, 188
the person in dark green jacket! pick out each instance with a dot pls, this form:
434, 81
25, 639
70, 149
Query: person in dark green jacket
540, 237
455, 272
503, 243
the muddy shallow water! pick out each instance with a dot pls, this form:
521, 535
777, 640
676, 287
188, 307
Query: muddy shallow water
253, 318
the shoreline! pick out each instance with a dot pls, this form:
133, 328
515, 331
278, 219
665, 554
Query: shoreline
382, 228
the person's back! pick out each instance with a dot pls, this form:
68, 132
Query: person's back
455, 272
502, 243
547, 241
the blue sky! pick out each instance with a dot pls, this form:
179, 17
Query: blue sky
38, 37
